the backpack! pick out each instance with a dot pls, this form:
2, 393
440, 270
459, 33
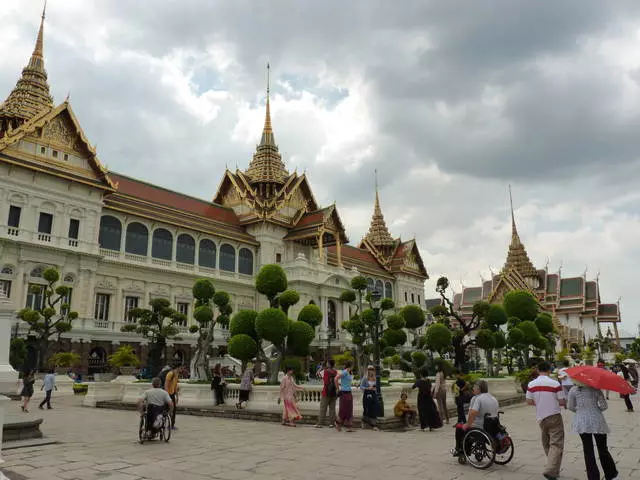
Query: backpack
331, 386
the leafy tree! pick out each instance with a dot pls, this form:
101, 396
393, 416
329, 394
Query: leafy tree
207, 302
17, 353
414, 318
54, 319
486, 341
243, 347
438, 338
271, 281
520, 304
486, 336
461, 336
310, 314
158, 324
288, 299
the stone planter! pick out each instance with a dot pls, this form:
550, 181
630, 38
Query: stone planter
127, 371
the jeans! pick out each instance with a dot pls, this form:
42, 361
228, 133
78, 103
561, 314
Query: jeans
330, 403
47, 399
173, 411
608, 465
552, 431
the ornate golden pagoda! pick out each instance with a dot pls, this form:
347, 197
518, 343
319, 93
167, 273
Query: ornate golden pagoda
378, 234
30, 96
266, 171
517, 257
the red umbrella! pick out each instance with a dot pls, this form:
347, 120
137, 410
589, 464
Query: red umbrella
600, 378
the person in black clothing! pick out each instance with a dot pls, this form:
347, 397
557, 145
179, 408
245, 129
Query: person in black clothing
217, 385
429, 416
462, 395
627, 376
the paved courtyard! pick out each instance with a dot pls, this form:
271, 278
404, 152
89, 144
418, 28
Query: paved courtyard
101, 445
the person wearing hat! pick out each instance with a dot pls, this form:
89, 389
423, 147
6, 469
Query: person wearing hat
370, 404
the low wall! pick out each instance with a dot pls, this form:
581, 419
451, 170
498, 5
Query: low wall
265, 397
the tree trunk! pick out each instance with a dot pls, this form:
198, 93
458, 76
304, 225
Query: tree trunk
489, 354
460, 352
199, 362
274, 364
155, 356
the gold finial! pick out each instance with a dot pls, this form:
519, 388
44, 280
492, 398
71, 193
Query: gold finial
517, 257
267, 118
378, 233
68, 97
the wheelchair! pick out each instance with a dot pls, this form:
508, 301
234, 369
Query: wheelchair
482, 447
149, 432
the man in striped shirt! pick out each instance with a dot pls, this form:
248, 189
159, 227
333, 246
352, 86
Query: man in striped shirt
547, 396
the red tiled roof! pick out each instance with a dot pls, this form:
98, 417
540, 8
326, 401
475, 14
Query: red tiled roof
162, 196
359, 258
310, 218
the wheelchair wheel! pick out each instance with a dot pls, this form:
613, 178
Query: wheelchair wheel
165, 430
478, 449
142, 429
505, 454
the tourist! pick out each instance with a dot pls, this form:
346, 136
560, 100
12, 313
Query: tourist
462, 394
440, 392
288, 390
370, 405
429, 416
217, 385
329, 395
482, 403
633, 373
588, 404
157, 401
623, 371
600, 364
48, 385
547, 396
173, 389
163, 374
344, 378
245, 386
405, 411
28, 379
565, 380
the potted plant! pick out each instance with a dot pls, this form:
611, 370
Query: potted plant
522, 380
62, 361
124, 359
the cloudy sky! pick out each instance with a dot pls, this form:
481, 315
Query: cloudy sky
450, 101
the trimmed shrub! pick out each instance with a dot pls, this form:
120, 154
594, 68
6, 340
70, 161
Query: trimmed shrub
242, 347
272, 325
244, 322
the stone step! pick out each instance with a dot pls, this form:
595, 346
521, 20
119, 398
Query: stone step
19, 428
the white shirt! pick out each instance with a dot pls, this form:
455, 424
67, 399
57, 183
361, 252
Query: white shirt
546, 393
49, 382
565, 380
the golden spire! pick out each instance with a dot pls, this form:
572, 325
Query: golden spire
31, 93
378, 234
266, 165
517, 257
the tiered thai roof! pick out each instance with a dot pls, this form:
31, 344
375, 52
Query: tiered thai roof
517, 257
378, 234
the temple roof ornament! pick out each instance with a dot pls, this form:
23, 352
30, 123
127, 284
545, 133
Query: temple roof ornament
31, 94
267, 166
517, 258
378, 234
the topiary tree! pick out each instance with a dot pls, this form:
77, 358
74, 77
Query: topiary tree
495, 318
311, 315
520, 304
243, 347
270, 282
438, 338
207, 302
158, 324
414, 318
288, 299
54, 319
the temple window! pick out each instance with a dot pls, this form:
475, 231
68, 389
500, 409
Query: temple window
245, 261
110, 233
162, 244
14, 216
54, 154
207, 254
43, 150
370, 285
45, 223
227, 258
137, 241
186, 249
66, 156
379, 287
405, 297
413, 298
388, 290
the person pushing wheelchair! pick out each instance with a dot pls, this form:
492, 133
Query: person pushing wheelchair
482, 403
157, 401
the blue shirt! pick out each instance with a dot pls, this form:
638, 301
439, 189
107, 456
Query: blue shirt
345, 381
49, 381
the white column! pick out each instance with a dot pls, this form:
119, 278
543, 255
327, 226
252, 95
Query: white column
8, 376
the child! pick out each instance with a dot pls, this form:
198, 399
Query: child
404, 410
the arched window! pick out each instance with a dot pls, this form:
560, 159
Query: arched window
331, 318
207, 254
7, 270
227, 258
110, 233
186, 249
137, 239
379, 287
162, 244
37, 272
370, 285
245, 261
388, 290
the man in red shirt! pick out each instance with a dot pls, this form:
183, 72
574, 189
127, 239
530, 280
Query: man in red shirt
329, 395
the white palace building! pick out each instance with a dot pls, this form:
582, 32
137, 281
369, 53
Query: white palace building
118, 241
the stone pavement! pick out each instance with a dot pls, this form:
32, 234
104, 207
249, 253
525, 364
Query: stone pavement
101, 445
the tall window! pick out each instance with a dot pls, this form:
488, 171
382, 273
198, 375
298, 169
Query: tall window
5, 288
379, 287
110, 233
413, 298
14, 216
129, 304
331, 318
35, 296
227, 258
101, 311
45, 223
278, 258
388, 290
162, 244
418, 299
207, 254
137, 240
65, 303
405, 297
186, 249
74, 228
183, 308
245, 261
370, 285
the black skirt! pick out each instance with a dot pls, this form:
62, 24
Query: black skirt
244, 396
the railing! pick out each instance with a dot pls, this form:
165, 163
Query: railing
102, 324
185, 266
109, 253
73, 242
44, 237
132, 256
14, 232
164, 263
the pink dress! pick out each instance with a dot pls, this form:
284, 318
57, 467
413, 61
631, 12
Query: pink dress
288, 389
